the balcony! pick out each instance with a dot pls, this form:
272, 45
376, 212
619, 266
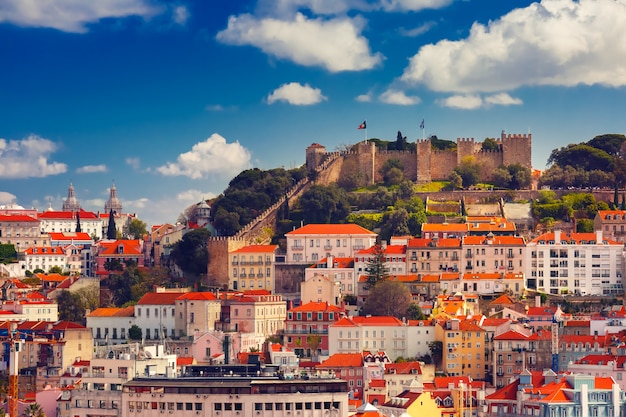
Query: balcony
500, 373
297, 248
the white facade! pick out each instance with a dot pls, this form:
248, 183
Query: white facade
576, 263
66, 222
340, 270
45, 258
31, 311
314, 242
156, 320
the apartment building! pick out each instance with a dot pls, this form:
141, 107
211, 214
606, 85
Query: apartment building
252, 267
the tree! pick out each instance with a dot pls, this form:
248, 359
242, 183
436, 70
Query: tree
191, 253
113, 264
70, 307
392, 171
34, 410
395, 223
414, 312
376, 270
7, 253
134, 332
490, 144
56, 269
78, 228
111, 230
456, 181
137, 229
436, 351
469, 171
313, 341
401, 143
388, 298
325, 204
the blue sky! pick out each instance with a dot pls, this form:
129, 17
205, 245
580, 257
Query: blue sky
171, 99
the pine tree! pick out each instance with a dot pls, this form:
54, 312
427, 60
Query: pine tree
376, 269
78, 229
111, 231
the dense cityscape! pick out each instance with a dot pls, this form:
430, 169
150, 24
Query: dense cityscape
486, 311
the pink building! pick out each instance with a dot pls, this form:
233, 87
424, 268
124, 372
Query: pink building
121, 250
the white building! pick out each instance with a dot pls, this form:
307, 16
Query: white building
66, 222
313, 242
45, 257
155, 314
340, 270
394, 258
110, 324
575, 263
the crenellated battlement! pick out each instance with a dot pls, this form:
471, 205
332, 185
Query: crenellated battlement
465, 140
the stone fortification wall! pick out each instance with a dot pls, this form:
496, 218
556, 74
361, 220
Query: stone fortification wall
517, 149
442, 164
217, 268
407, 159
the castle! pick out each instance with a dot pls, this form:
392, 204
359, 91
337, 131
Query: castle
426, 164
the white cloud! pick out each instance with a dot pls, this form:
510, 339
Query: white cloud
335, 7
6, 198
334, 44
71, 15
28, 158
214, 156
364, 98
133, 162
414, 32
180, 15
296, 94
465, 102
552, 42
90, 169
503, 99
392, 96
194, 196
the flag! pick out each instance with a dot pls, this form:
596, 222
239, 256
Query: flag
363, 125
422, 124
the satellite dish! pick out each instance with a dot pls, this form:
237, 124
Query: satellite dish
111, 354
148, 354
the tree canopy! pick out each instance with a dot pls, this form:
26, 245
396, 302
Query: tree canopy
191, 253
376, 270
388, 298
325, 204
137, 229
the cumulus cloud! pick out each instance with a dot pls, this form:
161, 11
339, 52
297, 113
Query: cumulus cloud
28, 158
71, 15
392, 96
192, 195
334, 44
465, 102
6, 197
90, 169
552, 42
475, 101
296, 94
503, 99
213, 156
364, 98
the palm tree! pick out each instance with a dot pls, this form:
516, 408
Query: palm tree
34, 410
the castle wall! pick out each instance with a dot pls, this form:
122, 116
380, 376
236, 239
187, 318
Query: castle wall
424, 157
442, 164
488, 161
406, 158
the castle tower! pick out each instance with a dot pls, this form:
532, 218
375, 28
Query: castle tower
517, 149
314, 156
424, 154
113, 203
71, 203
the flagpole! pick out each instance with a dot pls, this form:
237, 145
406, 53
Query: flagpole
366, 130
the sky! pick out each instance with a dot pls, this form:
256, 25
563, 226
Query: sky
169, 100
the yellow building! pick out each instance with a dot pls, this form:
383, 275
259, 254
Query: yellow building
463, 342
412, 403
252, 268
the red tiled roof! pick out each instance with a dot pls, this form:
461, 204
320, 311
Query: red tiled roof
68, 215
441, 243
130, 247
368, 321
184, 361
257, 249
541, 311
331, 229
573, 238
337, 263
388, 250
200, 296
45, 250
70, 236
17, 218
159, 298
113, 312
403, 368
317, 306
342, 360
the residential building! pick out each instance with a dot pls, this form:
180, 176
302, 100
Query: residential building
196, 312
411, 403
575, 263
432, 255
493, 254
340, 270
123, 251
21, 231
110, 324
519, 349
255, 311
306, 328
348, 367
155, 313
313, 242
359, 333
45, 257
320, 288
486, 225
394, 257
63, 239
68, 221
34, 307
611, 223
573, 348
603, 365
400, 377
252, 267
463, 343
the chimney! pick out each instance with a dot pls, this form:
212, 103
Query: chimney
557, 237
599, 237
537, 301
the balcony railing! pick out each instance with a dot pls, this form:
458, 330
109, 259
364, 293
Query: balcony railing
311, 331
